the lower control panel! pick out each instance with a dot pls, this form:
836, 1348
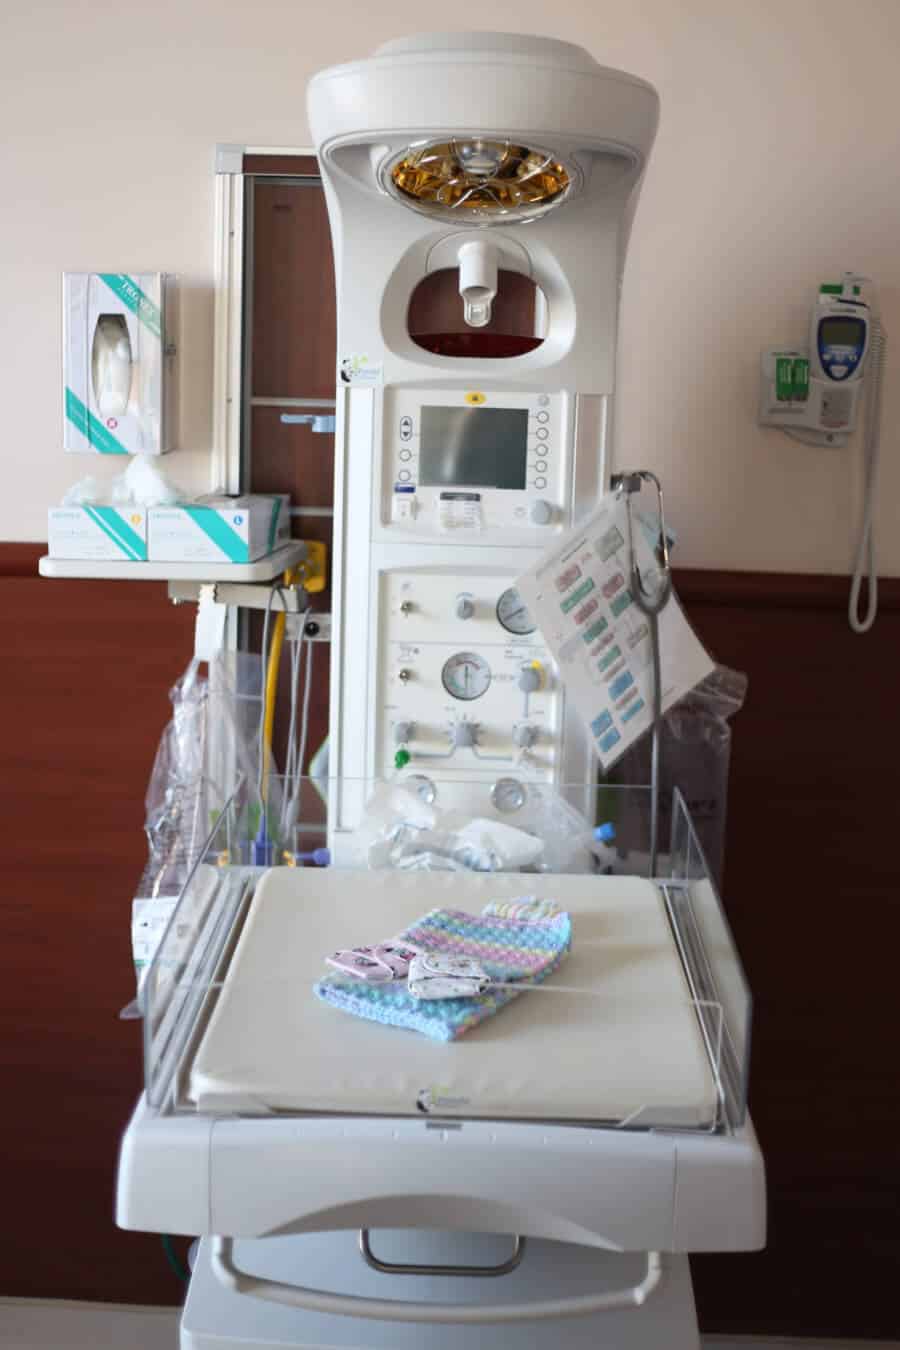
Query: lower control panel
466, 686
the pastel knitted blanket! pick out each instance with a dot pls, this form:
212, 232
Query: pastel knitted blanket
508, 949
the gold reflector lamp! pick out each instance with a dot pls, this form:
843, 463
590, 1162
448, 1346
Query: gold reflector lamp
480, 179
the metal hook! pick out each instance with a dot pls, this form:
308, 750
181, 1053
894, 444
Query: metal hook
650, 602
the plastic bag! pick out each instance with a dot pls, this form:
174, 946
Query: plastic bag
403, 832
695, 756
209, 748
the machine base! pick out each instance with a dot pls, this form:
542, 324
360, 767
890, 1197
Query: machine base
214, 1318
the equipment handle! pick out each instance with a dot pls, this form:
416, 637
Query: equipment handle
400, 1310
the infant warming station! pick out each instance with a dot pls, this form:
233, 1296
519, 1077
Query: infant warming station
534, 1169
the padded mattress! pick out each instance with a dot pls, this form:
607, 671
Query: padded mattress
625, 1046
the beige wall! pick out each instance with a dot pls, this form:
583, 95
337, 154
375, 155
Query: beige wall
777, 165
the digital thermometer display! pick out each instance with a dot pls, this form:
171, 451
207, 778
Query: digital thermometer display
841, 344
474, 447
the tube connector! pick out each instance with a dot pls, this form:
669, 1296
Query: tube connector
477, 280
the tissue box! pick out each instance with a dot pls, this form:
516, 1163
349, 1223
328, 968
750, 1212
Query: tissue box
219, 529
118, 363
98, 533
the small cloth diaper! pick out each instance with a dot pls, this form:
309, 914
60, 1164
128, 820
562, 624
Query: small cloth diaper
506, 949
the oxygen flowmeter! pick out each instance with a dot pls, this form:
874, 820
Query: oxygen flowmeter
813, 393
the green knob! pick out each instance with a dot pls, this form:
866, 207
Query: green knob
401, 759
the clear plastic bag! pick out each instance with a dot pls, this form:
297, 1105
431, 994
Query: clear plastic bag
403, 832
695, 756
209, 747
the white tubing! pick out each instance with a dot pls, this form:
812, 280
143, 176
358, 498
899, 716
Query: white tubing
865, 549
399, 1310
477, 280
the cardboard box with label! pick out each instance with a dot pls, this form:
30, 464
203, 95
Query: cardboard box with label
98, 533
219, 529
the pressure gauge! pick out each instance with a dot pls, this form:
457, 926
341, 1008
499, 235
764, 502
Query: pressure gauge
423, 787
513, 613
466, 675
508, 795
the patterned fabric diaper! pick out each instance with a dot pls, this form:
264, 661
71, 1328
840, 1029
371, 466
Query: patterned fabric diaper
507, 949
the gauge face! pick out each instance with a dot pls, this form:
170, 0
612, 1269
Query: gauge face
422, 787
513, 613
508, 794
466, 675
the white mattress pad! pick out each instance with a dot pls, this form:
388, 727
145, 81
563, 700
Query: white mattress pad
626, 1046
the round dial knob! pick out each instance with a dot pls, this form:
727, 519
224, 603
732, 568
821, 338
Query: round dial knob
529, 679
464, 607
541, 512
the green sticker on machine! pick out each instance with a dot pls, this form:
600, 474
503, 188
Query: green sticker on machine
595, 630
572, 600
620, 603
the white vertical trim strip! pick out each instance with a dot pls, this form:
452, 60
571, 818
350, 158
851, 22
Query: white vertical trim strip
225, 463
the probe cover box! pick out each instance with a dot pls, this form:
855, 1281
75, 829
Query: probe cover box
219, 529
98, 533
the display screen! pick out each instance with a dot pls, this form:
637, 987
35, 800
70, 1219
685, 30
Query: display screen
841, 332
473, 447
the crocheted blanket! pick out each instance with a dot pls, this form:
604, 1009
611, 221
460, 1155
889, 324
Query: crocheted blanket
509, 950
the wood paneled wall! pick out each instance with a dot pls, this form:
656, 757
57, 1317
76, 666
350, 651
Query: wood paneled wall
811, 892
83, 691
810, 888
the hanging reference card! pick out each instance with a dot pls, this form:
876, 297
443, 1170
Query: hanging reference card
579, 594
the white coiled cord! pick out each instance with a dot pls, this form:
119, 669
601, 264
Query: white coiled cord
865, 550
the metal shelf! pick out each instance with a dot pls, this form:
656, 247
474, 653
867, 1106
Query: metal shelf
264, 569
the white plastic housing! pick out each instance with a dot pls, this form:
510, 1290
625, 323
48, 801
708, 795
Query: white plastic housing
389, 518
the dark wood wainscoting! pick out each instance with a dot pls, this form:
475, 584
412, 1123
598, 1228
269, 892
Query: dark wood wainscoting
83, 689
810, 885
811, 891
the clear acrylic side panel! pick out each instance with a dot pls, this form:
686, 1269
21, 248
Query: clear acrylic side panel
632, 1030
710, 954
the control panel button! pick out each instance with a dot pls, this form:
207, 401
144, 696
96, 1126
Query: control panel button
839, 371
405, 455
464, 607
542, 433
541, 465
403, 507
540, 483
541, 512
404, 475
406, 428
543, 400
543, 417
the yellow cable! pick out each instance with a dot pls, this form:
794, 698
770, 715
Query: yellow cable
272, 668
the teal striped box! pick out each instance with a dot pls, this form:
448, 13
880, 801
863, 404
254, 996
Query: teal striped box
98, 533
218, 529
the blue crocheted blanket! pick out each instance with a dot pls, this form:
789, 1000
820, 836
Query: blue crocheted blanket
508, 949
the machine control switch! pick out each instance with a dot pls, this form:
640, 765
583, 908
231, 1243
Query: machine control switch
524, 736
529, 680
403, 732
465, 734
465, 607
541, 512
